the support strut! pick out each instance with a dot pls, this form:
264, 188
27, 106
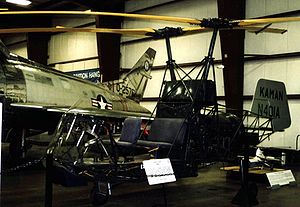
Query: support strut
170, 62
208, 62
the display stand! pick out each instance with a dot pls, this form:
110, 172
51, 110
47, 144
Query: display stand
248, 192
1, 120
48, 178
159, 171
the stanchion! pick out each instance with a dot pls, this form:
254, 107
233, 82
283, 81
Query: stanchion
165, 195
1, 119
248, 192
48, 178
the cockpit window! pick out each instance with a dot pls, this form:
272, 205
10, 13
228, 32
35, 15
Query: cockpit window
43, 79
65, 83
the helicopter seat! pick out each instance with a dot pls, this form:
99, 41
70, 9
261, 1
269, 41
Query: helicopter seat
126, 145
181, 96
130, 132
166, 134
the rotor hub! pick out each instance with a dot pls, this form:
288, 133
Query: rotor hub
216, 23
168, 32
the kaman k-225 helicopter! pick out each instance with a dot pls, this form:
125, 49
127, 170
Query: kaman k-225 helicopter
189, 127
34, 96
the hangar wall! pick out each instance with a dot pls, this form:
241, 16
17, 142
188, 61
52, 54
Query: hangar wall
17, 44
283, 69
20, 49
64, 47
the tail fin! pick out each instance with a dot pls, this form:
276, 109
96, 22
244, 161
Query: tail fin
133, 84
270, 100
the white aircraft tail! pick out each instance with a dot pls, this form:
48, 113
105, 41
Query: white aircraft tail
270, 101
133, 84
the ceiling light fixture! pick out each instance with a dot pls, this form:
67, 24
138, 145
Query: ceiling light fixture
19, 2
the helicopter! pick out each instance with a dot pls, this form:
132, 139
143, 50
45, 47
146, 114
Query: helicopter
204, 132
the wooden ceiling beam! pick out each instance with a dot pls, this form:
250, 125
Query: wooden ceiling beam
232, 48
109, 44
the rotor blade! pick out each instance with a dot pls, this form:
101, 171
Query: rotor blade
250, 22
128, 15
261, 29
195, 30
133, 32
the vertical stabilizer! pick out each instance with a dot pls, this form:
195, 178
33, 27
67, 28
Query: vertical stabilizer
133, 84
270, 101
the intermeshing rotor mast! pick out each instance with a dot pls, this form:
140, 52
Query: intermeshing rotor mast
167, 33
214, 23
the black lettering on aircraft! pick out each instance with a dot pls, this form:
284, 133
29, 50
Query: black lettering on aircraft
268, 110
271, 93
124, 89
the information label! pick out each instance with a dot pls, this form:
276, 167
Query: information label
159, 171
280, 178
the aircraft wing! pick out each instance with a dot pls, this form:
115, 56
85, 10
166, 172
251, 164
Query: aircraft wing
85, 111
100, 112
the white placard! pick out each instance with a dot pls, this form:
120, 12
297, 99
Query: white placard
159, 171
280, 178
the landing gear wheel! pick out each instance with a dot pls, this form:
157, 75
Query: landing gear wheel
99, 193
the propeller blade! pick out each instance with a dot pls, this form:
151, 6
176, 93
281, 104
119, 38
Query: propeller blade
128, 15
250, 22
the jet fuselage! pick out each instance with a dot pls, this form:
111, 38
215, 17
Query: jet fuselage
32, 95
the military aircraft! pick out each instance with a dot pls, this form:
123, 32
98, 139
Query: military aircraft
189, 128
34, 96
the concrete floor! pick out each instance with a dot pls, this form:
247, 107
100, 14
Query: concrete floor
211, 188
